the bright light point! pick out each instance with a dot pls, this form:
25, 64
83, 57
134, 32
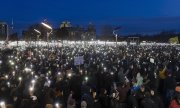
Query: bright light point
27, 69
33, 81
112, 73
49, 81
12, 63
57, 105
2, 103
31, 89
8, 83
36, 76
86, 78
102, 64
13, 73
59, 73
69, 75
6, 76
20, 78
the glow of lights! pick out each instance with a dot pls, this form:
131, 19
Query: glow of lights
13, 73
105, 68
11, 62
57, 105
27, 69
46, 25
31, 88
20, 78
102, 64
6, 76
59, 73
37, 31
69, 74
36, 76
49, 81
8, 84
2, 104
33, 81
112, 73
86, 78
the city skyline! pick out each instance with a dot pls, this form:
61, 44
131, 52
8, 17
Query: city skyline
139, 16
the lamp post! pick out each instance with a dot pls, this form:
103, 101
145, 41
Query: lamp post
48, 27
39, 33
116, 35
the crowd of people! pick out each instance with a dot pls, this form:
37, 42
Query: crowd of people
142, 76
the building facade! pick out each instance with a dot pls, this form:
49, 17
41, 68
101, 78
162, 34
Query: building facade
3, 30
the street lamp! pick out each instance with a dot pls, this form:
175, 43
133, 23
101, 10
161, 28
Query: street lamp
116, 35
48, 27
37, 31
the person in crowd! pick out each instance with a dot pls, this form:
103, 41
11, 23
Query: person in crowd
44, 76
71, 103
169, 87
83, 103
141, 94
103, 99
157, 99
123, 90
175, 103
147, 102
132, 101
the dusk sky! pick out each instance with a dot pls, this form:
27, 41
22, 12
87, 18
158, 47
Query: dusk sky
135, 16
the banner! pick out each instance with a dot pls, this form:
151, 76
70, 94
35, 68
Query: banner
79, 60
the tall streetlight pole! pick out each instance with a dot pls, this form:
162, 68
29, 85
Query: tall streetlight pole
39, 34
116, 35
48, 27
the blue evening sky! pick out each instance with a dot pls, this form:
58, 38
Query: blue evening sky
135, 16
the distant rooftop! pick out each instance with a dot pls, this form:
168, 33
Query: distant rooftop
1, 22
